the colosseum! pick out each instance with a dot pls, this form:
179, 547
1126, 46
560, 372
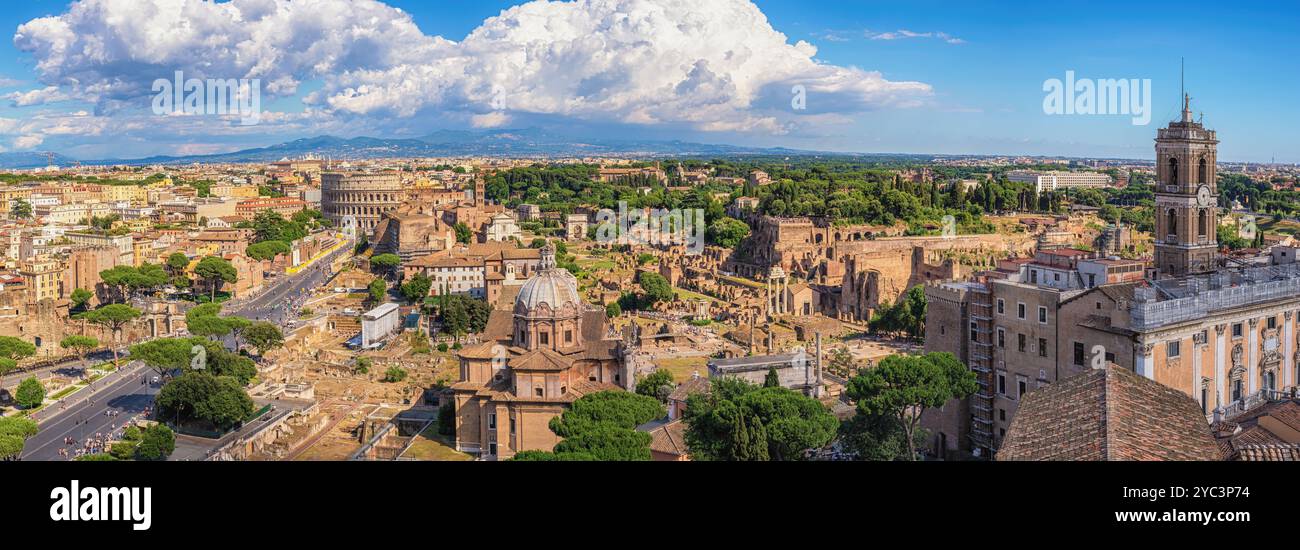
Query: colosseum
366, 196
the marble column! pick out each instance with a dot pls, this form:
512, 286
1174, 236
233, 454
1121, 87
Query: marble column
1198, 352
1288, 350
1220, 360
1252, 357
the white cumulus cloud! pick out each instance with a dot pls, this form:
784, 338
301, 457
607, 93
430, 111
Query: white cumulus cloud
902, 34
29, 141
48, 94
716, 65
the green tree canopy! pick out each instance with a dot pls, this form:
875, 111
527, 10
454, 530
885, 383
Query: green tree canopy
602, 426
772, 380
417, 288
112, 317
19, 426
727, 232
385, 263
14, 431
463, 233
656, 288
15, 348
269, 225
658, 385
461, 315
267, 250
211, 327
902, 387
157, 442
377, 290
79, 344
791, 423
30, 394
197, 396
177, 262
168, 354
209, 309
907, 316
264, 337
81, 299
618, 408
215, 271
21, 209
127, 279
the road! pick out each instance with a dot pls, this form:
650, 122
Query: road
126, 392
280, 301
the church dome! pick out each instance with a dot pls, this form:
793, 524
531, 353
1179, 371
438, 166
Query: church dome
553, 287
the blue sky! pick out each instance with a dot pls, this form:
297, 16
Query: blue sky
955, 77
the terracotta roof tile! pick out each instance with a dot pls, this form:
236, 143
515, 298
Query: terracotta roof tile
698, 384
1269, 453
1109, 414
669, 438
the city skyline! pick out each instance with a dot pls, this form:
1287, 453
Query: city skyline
880, 78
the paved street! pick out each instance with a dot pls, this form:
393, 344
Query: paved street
82, 415
279, 302
86, 413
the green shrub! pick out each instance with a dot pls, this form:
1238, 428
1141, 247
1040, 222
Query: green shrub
394, 374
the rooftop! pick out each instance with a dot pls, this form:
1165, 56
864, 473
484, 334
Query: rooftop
1109, 414
1169, 301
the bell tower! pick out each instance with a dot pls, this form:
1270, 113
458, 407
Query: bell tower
1186, 210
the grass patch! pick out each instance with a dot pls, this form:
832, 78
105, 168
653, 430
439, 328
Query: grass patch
594, 264
742, 282
683, 294
64, 392
430, 445
684, 367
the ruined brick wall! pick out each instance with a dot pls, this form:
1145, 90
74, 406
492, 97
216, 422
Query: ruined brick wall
881, 271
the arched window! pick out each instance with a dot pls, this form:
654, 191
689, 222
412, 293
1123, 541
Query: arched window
1172, 226
1203, 223
1201, 172
1173, 171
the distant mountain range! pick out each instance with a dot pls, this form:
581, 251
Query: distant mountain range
445, 143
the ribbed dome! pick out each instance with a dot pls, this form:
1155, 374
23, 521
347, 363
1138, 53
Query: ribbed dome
554, 287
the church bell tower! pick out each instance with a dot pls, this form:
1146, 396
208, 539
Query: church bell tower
1186, 210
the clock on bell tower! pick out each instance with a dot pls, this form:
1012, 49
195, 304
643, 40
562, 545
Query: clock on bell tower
1186, 210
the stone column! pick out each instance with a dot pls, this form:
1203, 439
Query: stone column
785, 298
1252, 357
1220, 360
768, 301
1288, 349
1198, 351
